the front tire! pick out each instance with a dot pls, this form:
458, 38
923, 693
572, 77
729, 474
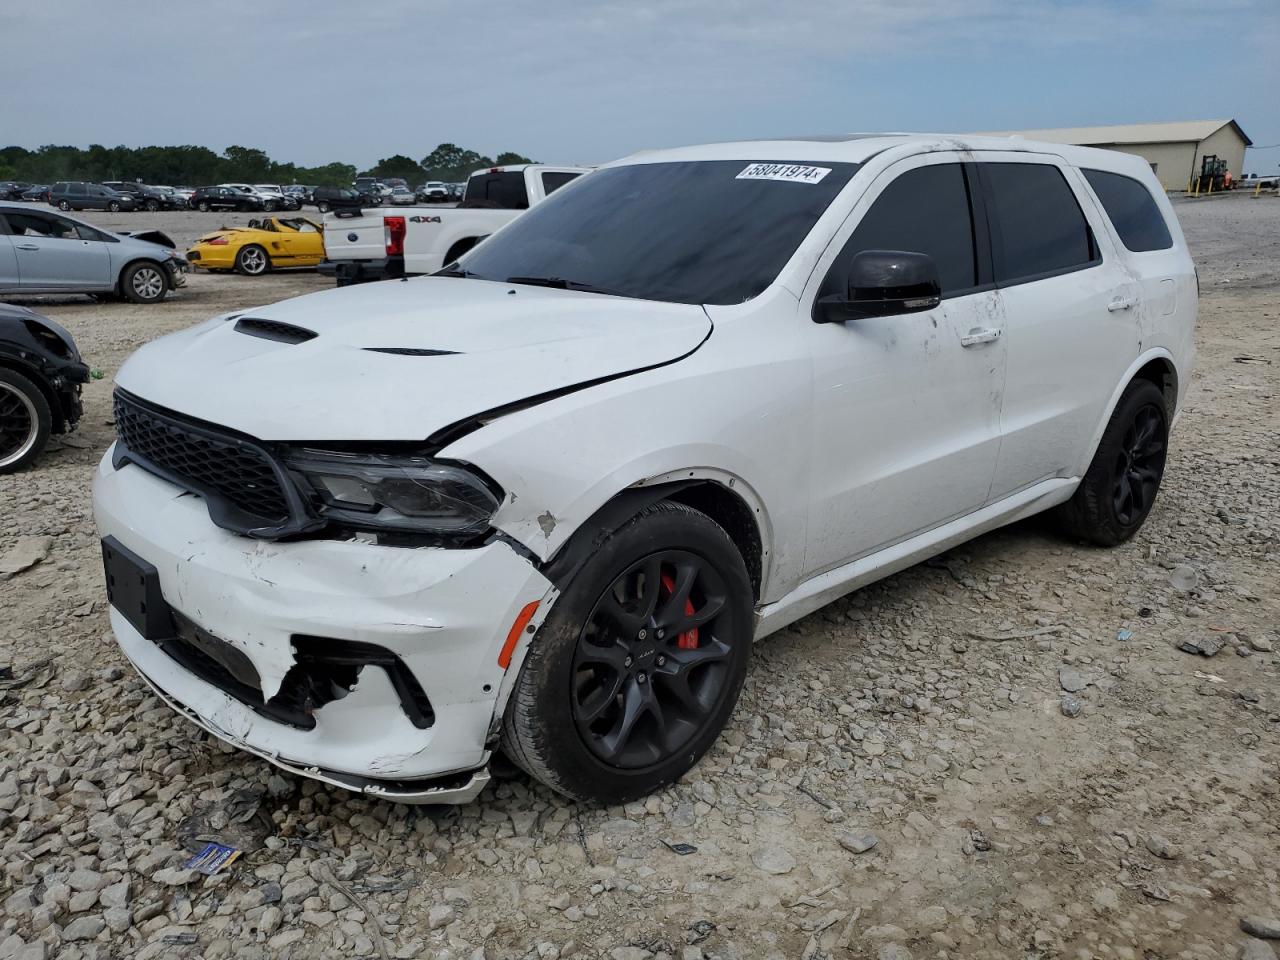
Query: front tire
323, 206
638, 667
114, 206
63, 205
25, 421
144, 282
202, 206
252, 261
1119, 489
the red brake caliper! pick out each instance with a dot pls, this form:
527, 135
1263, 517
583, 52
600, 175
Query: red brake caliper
689, 639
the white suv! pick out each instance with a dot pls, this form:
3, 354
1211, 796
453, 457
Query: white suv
545, 500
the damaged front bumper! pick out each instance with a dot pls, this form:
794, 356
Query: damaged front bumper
370, 667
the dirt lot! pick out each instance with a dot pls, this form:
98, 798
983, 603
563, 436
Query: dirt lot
1146, 826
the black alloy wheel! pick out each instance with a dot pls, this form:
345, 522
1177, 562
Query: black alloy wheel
638, 666
1138, 465
1119, 489
650, 664
25, 421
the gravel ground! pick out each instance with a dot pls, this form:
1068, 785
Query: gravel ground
1002, 753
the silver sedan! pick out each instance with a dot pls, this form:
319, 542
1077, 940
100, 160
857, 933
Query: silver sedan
42, 251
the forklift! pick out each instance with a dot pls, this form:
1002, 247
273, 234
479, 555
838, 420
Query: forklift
1214, 176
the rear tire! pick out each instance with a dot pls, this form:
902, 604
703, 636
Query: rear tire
25, 421
624, 686
203, 206
252, 261
152, 206
114, 206
323, 206
1119, 489
144, 282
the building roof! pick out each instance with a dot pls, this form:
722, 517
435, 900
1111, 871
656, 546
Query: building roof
1177, 132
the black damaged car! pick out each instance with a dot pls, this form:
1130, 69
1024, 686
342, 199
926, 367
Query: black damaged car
41, 374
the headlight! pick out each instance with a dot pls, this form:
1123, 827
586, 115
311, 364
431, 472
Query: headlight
395, 493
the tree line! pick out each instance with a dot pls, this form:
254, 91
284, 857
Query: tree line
198, 166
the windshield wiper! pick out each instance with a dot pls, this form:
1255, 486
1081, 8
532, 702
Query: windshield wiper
453, 272
561, 284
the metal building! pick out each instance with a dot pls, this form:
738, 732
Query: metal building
1174, 150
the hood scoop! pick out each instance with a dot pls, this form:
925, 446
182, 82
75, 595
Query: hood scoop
274, 330
412, 351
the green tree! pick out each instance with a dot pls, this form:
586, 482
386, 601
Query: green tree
508, 159
406, 168
450, 163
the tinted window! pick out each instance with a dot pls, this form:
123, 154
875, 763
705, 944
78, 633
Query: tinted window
1132, 210
691, 232
923, 211
505, 190
551, 182
1037, 226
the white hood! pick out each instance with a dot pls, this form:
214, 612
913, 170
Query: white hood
510, 343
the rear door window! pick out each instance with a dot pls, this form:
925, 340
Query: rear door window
553, 181
505, 190
1037, 228
1132, 210
925, 210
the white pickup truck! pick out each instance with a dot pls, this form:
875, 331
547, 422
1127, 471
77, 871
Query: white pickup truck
384, 244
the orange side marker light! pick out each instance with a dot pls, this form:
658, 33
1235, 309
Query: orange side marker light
517, 628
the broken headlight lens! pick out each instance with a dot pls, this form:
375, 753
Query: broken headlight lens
395, 493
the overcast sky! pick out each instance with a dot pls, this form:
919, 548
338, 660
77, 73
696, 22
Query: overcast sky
587, 82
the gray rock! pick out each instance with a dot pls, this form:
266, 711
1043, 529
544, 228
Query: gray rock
440, 915
175, 876
83, 928
1265, 928
1071, 680
86, 880
858, 841
1071, 706
773, 860
116, 895
629, 953
118, 919
1261, 644
1207, 646
1256, 950
1184, 578
1158, 846
25, 553
893, 951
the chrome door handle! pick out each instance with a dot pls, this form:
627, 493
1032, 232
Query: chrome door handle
1122, 303
976, 336
27, 246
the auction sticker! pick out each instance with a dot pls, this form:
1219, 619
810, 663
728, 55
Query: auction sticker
791, 172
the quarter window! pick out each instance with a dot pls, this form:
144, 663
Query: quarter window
1037, 226
925, 210
1132, 210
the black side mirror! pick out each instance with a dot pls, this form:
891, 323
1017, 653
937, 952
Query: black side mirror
883, 283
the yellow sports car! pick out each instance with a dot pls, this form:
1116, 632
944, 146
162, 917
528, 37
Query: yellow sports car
264, 244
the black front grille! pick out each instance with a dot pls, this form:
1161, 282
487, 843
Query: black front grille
217, 465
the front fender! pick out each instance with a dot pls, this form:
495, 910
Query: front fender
562, 460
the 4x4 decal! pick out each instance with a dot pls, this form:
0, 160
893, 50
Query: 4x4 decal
421, 219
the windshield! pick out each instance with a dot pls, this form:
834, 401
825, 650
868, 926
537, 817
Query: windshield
714, 231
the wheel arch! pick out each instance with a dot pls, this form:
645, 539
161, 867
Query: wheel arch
722, 497
459, 247
133, 261
1156, 366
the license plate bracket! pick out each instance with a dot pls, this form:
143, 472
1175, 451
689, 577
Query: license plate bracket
133, 588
